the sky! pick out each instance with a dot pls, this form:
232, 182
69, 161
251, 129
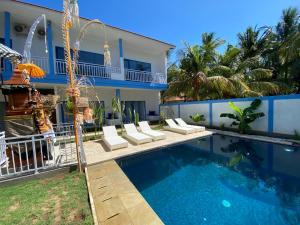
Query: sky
175, 21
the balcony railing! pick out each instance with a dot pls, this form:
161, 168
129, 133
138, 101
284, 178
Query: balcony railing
144, 76
88, 69
42, 62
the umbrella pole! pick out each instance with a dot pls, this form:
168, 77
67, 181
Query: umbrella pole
72, 86
76, 132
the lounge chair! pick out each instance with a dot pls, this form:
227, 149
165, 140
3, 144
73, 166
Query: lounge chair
146, 129
172, 126
133, 135
182, 123
112, 139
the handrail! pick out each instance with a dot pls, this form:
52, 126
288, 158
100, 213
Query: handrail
88, 69
145, 76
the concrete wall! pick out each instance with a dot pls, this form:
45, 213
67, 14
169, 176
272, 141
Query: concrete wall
282, 113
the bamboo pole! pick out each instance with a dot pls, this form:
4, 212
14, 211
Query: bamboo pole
67, 24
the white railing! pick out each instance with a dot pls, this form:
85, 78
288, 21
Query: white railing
42, 62
144, 76
34, 153
88, 69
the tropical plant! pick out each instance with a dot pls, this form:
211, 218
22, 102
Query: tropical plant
136, 117
129, 114
197, 118
162, 118
99, 115
243, 117
117, 108
69, 106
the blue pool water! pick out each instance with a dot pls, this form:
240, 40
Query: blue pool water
220, 180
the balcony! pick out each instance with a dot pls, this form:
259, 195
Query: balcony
145, 76
89, 70
112, 73
42, 62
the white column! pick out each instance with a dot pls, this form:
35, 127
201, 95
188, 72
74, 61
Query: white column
121, 58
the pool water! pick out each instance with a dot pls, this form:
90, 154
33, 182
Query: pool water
220, 180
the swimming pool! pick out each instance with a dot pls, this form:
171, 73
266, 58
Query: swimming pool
220, 180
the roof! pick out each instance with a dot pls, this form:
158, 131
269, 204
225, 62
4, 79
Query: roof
113, 27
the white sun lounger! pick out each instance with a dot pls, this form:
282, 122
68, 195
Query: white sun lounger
172, 126
133, 135
112, 139
182, 123
146, 129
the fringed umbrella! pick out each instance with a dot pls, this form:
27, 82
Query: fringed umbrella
33, 70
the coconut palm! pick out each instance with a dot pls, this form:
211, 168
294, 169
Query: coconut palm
254, 41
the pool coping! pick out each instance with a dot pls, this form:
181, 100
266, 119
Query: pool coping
132, 208
274, 140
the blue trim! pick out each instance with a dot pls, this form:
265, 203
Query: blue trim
50, 49
8, 68
210, 114
62, 79
121, 47
270, 115
277, 97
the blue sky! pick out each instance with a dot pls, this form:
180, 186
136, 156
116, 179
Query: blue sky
176, 20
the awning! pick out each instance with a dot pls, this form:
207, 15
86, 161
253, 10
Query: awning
8, 53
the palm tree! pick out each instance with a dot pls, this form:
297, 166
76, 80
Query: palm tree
193, 61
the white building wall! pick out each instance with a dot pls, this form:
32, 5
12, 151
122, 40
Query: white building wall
287, 116
151, 98
187, 110
157, 60
171, 111
261, 124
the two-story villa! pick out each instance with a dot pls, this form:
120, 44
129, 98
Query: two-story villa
139, 64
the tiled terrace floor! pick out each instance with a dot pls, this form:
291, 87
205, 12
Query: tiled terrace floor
97, 152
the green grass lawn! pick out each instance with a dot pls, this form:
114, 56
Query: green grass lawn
62, 199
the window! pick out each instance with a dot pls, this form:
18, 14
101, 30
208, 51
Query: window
136, 65
84, 56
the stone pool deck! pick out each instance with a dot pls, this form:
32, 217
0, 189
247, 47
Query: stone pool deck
114, 199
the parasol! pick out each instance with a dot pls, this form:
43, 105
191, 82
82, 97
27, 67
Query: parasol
8, 53
33, 70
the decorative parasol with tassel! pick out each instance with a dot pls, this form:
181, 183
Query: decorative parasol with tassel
32, 70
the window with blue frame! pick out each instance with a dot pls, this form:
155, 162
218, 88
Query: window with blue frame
137, 65
84, 57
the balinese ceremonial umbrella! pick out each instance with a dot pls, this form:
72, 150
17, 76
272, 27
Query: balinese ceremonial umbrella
33, 70
8, 53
